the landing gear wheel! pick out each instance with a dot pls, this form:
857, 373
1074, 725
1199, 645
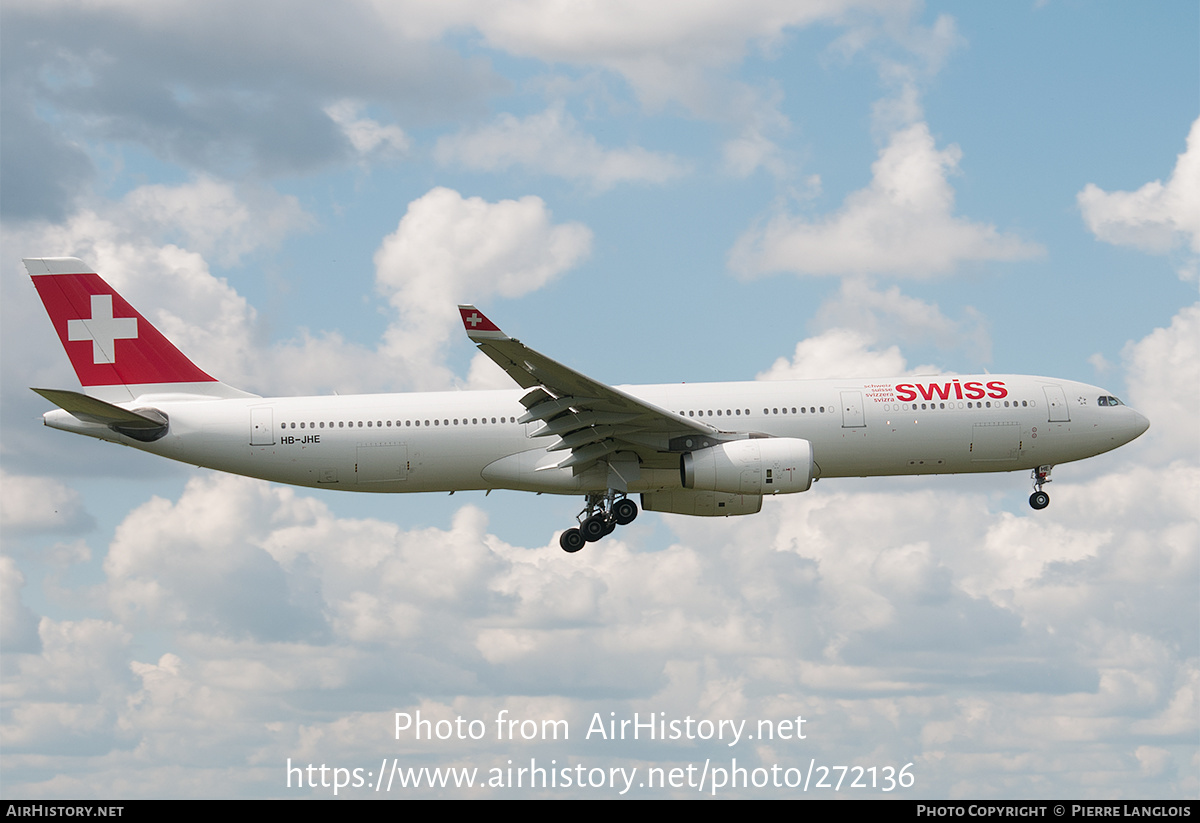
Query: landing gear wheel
624, 511
594, 528
571, 541
1041, 476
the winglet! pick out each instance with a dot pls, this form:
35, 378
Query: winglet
478, 326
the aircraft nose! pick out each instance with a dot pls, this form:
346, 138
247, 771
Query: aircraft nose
1140, 424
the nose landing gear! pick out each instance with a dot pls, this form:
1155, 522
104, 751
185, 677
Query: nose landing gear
601, 515
1039, 499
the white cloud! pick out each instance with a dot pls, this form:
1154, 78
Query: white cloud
201, 314
484, 374
664, 49
857, 326
1163, 375
446, 249
750, 151
837, 353
449, 250
81, 662
887, 315
130, 244
196, 562
1156, 218
215, 218
756, 145
552, 143
18, 624
369, 137
902, 223
40, 504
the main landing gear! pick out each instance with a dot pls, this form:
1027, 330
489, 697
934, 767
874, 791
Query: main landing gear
1039, 499
603, 512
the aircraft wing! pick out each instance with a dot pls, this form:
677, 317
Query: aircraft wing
589, 418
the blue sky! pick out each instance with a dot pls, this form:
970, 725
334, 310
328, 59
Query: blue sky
649, 194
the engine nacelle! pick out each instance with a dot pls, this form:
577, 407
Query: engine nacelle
701, 503
766, 465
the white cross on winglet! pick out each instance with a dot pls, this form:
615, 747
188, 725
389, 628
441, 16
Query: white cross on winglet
474, 319
103, 329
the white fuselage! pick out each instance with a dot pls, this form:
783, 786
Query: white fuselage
447, 441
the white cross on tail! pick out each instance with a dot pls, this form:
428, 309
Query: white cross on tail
103, 329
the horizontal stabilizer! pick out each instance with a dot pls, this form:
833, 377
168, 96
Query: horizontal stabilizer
92, 410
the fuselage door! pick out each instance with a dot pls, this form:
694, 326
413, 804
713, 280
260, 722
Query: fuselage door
1056, 400
852, 410
262, 426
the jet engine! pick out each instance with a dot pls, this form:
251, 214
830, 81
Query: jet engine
766, 465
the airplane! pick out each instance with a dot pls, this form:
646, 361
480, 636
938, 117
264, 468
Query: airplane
704, 449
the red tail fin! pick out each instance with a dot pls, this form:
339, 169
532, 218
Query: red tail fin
108, 341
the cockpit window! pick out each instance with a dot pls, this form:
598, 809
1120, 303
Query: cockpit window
1108, 400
